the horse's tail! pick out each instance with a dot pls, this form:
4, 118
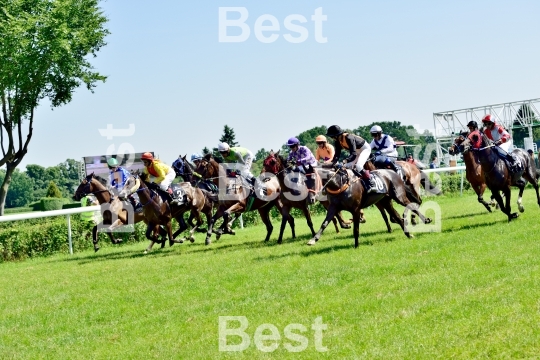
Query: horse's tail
411, 196
428, 186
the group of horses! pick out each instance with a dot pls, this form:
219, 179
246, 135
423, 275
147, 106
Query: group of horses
210, 190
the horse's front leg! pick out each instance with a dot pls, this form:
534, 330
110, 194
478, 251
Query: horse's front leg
330, 213
211, 222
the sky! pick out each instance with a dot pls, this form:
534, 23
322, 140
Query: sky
370, 61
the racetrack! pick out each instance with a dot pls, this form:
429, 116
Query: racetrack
470, 291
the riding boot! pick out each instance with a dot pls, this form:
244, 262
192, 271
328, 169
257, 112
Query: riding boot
137, 207
393, 166
369, 181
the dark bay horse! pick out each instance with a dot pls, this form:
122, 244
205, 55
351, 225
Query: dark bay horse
233, 198
346, 192
412, 177
156, 211
93, 184
498, 177
473, 169
291, 198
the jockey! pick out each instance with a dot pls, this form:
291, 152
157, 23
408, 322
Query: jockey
501, 138
240, 156
359, 152
325, 151
117, 179
300, 154
159, 173
386, 153
196, 158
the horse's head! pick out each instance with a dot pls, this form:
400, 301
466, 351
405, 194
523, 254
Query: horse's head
183, 168
457, 146
91, 184
272, 163
208, 167
313, 183
132, 184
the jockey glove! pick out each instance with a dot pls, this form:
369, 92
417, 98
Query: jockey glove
377, 153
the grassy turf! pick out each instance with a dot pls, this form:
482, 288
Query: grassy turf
470, 291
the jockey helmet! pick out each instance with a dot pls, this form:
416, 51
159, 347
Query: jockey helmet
147, 156
196, 157
334, 131
112, 162
293, 141
487, 119
320, 138
223, 147
473, 124
375, 129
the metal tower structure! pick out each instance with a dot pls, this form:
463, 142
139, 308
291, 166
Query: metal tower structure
512, 115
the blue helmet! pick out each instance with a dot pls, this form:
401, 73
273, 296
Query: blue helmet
293, 141
196, 156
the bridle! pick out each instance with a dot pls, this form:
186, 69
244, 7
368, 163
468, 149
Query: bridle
86, 190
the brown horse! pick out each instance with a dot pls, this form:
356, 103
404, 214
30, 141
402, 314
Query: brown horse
156, 210
498, 177
275, 164
473, 169
233, 198
412, 177
93, 184
346, 192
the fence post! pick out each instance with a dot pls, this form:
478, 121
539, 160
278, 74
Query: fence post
68, 217
461, 190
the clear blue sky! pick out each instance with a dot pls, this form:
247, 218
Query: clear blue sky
383, 61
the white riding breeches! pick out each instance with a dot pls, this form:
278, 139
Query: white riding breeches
362, 156
164, 185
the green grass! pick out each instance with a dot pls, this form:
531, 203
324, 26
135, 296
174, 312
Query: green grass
470, 291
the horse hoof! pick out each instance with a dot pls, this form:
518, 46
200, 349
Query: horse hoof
145, 252
311, 242
429, 221
207, 242
96, 249
362, 221
521, 208
513, 216
347, 226
192, 239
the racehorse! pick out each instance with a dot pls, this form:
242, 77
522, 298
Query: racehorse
411, 176
234, 199
156, 210
346, 192
473, 169
498, 177
93, 184
290, 198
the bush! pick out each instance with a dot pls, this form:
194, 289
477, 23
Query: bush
53, 191
45, 236
48, 204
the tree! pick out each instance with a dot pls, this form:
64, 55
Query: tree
45, 46
21, 189
53, 191
229, 136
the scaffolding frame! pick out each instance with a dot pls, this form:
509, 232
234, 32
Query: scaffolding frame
449, 123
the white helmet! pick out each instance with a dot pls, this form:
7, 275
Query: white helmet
223, 147
375, 129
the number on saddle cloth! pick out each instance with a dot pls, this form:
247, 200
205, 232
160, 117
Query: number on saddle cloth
380, 187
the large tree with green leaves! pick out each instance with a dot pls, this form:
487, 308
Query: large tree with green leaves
45, 48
